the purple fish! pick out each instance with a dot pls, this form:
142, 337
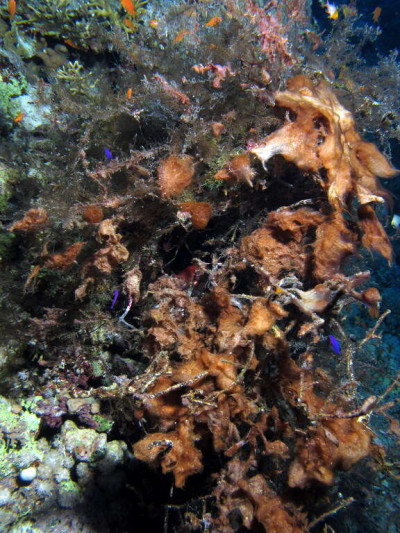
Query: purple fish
335, 344
116, 294
108, 154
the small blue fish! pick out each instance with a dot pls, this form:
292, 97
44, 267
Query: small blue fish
116, 294
335, 344
108, 154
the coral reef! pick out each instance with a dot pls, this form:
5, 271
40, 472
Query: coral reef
197, 269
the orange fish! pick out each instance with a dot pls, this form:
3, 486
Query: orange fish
153, 23
376, 14
12, 8
71, 44
214, 21
129, 93
332, 10
129, 6
180, 36
129, 23
19, 117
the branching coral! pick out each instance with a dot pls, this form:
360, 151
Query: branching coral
74, 78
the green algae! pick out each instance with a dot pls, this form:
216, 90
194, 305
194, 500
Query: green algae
18, 444
11, 86
8, 176
104, 424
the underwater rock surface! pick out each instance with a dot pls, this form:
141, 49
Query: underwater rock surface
199, 246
